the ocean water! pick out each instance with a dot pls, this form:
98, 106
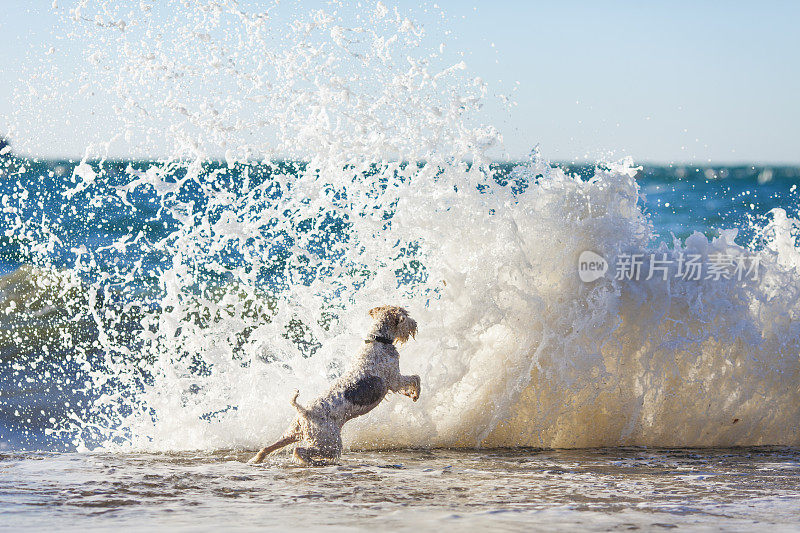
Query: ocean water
156, 314
408, 490
74, 450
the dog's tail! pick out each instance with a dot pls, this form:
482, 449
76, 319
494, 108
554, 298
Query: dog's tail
300, 409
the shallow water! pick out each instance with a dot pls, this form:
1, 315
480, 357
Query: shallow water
507, 490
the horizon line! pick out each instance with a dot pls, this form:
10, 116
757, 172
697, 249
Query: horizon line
559, 162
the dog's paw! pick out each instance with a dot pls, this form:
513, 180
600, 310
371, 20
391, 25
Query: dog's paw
417, 388
257, 458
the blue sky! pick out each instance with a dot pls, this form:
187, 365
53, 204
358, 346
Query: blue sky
663, 82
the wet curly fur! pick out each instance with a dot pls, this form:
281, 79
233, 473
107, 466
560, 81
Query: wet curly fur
375, 371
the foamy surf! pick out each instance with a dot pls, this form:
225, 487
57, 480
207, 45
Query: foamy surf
514, 348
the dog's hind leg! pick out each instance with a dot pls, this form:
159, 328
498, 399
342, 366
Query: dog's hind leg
291, 435
264, 452
303, 455
312, 457
323, 447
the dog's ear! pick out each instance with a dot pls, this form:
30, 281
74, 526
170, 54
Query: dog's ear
402, 315
397, 313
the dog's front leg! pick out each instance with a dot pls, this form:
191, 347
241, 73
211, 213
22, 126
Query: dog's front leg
409, 386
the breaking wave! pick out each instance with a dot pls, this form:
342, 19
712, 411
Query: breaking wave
193, 297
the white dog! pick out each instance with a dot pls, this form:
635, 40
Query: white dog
375, 371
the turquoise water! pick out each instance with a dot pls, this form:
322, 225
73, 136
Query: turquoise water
678, 201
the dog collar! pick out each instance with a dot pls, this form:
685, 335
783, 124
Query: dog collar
384, 340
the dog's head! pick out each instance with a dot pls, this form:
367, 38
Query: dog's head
395, 322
